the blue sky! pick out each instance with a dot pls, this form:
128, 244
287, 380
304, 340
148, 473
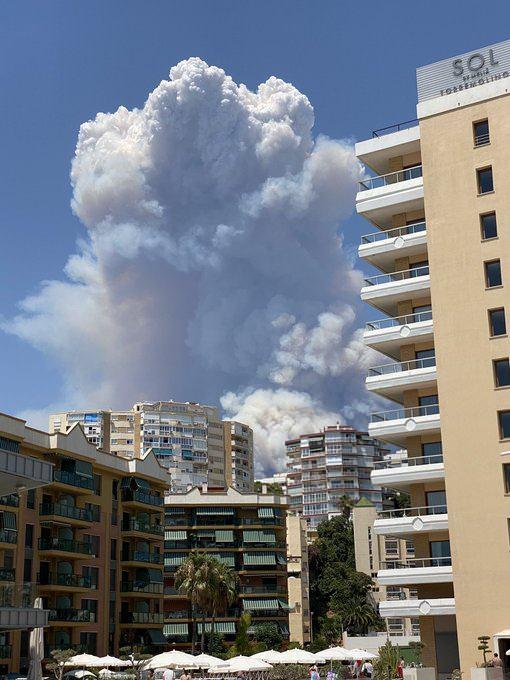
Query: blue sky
61, 62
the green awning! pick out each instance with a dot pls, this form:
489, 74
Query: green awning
156, 636
283, 605
256, 605
281, 559
215, 511
176, 535
224, 536
175, 629
266, 512
174, 560
263, 536
228, 560
219, 627
9, 520
173, 510
206, 533
259, 558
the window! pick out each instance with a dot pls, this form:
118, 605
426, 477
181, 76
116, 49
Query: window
481, 132
440, 550
27, 571
497, 323
433, 451
425, 358
501, 372
493, 273
93, 541
506, 477
488, 226
436, 502
92, 575
484, 180
113, 549
31, 499
504, 424
418, 269
29, 536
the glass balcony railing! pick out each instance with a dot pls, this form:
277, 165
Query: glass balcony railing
67, 580
414, 512
11, 501
394, 322
8, 536
409, 462
73, 479
416, 228
139, 496
71, 615
141, 556
141, 587
402, 413
181, 614
417, 563
142, 617
145, 527
263, 590
390, 178
65, 545
65, 510
402, 366
397, 276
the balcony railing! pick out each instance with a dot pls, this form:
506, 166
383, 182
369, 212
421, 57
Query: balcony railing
67, 580
8, 536
481, 140
145, 527
183, 614
415, 228
402, 413
141, 556
5, 651
71, 615
395, 128
7, 574
73, 479
397, 276
11, 501
409, 462
263, 590
414, 512
402, 366
64, 544
142, 617
17, 595
390, 178
394, 322
147, 497
65, 510
417, 563
141, 587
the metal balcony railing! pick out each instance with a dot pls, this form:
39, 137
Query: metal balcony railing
183, 614
5, 651
141, 556
390, 178
145, 527
8, 536
142, 617
147, 497
415, 228
394, 322
402, 366
395, 128
417, 563
64, 544
141, 587
481, 140
67, 580
397, 276
11, 501
402, 413
71, 615
414, 512
17, 595
7, 574
73, 479
263, 590
409, 462
65, 510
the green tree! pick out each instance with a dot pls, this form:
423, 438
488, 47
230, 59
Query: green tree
269, 635
214, 644
275, 488
385, 666
242, 644
225, 590
191, 581
58, 665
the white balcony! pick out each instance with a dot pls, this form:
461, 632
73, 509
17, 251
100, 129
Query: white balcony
402, 474
395, 140
19, 472
388, 335
391, 380
411, 521
444, 606
417, 571
396, 425
385, 291
382, 247
380, 198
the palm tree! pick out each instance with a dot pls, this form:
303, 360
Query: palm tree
226, 584
360, 615
191, 581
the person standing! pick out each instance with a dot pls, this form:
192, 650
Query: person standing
496, 661
368, 669
168, 674
400, 667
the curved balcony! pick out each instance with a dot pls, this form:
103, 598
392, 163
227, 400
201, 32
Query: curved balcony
381, 197
391, 380
413, 608
380, 248
409, 521
389, 334
416, 571
396, 425
400, 139
418, 470
385, 291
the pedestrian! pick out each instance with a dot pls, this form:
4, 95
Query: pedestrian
313, 673
185, 675
368, 669
357, 668
496, 661
168, 674
400, 667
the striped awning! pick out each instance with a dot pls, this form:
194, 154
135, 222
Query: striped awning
176, 535
175, 511
219, 627
8, 519
283, 605
224, 536
228, 560
174, 560
263, 536
265, 512
256, 605
259, 558
215, 511
175, 629
206, 533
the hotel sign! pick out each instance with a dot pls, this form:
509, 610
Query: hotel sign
464, 71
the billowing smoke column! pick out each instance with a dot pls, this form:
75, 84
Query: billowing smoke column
213, 263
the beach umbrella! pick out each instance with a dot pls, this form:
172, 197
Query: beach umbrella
301, 656
269, 656
206, 660
362, 654
107, 661
244, 664
173, 659
105, 673
36, 648
79, 674
336, 654
85, 661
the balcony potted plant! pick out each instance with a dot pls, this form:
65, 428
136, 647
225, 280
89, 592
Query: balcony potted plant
486, 670
417, 671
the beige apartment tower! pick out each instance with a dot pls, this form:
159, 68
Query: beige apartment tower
439, 206
238, 441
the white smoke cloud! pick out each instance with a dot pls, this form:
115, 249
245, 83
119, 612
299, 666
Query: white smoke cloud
212, 263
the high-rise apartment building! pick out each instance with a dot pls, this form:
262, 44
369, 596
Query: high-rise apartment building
238, 441
186, 438
89, 543
439, 207
300, 616
325, 469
